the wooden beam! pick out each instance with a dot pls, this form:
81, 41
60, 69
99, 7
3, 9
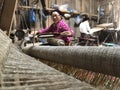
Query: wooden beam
28, 7
7, 14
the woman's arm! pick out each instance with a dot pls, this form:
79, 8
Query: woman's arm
66, 30
41, 31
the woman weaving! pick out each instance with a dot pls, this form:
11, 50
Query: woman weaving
59, 27
87, 37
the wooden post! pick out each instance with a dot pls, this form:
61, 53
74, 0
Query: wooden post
7, 14
83, 5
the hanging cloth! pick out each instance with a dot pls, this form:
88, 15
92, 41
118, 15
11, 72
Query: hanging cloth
32, 16
43, 18
77, 21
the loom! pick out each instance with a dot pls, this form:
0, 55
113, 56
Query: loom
99, 59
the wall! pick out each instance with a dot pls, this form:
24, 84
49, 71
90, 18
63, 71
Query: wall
112, 11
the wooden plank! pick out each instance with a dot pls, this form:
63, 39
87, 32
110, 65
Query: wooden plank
7, 14
83, 5
1, 5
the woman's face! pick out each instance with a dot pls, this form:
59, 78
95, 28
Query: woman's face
55, 17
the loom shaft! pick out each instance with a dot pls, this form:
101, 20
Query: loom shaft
99, 59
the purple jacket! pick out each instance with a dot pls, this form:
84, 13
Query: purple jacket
58, 28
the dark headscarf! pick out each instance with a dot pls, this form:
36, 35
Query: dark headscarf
56, 10
85, 17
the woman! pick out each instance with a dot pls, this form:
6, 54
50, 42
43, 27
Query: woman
87, 36
84, 26
60, 27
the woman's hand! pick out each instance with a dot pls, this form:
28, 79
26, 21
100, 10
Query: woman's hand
34, 32
65, 33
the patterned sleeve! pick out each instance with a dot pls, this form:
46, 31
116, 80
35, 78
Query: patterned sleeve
64, 26
48, 29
